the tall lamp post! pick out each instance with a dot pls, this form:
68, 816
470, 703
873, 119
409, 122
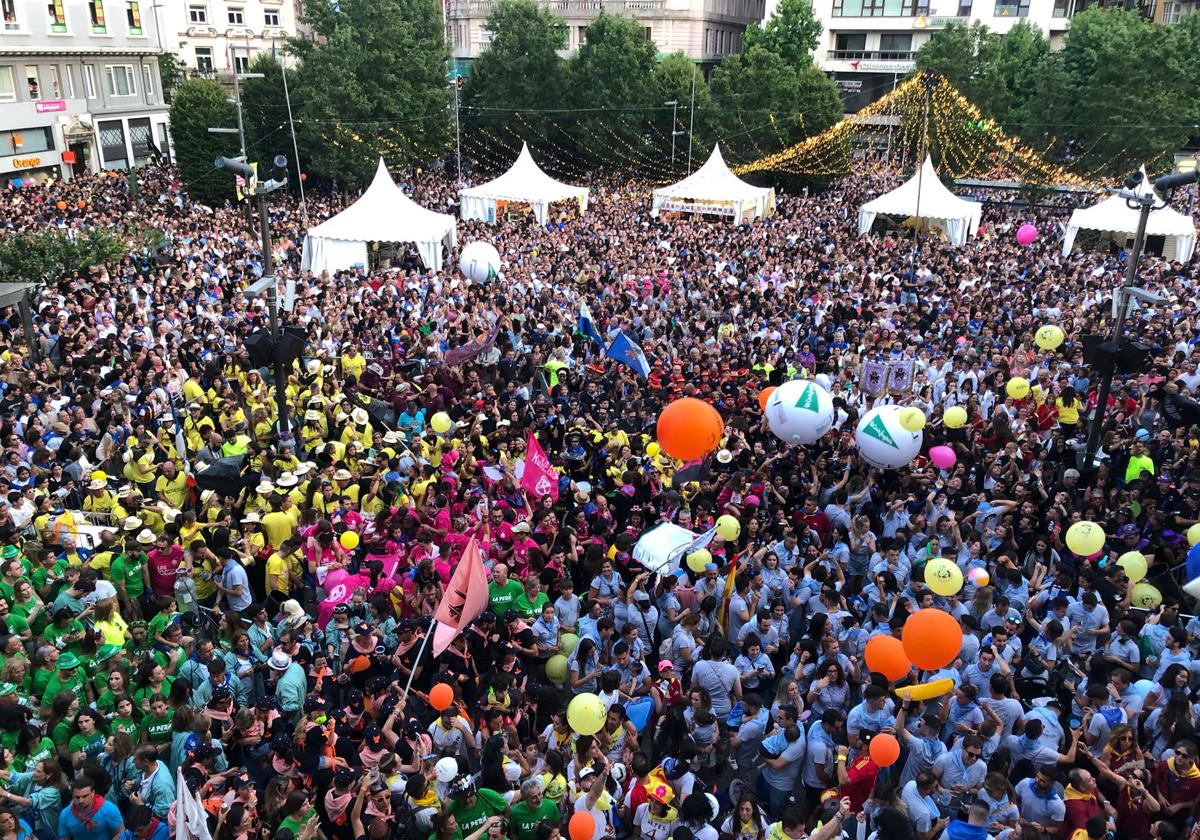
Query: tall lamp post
1142, 195
269, 283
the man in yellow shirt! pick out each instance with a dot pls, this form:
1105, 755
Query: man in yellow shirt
280, 526
171, 486
197, 427
284, 574
353, 363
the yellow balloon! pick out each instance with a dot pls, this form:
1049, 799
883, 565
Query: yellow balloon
568, 643
1145, 595
586, 714
728, 528
925, 691
556, 669
652, 449
1049, 337
911, 419
1193, 534
698, 559
1085, 538
1017, 387
955, 417
980, 578
943, 576
349, 540
1134, 564
440, 422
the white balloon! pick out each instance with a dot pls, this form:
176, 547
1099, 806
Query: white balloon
479, 261
822, 379
799, 412
446, 770
883, 442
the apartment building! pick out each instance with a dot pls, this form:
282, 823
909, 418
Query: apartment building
868, 46
79, 87
217, 38
704, 30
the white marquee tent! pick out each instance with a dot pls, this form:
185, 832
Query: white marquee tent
713, 189
925, 199
382, 214
1116, 219
523, 183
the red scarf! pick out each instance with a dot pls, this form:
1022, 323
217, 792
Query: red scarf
86, 819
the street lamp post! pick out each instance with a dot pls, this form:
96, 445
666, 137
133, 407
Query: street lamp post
457, 132
1144, 201
674, 103
240, 131
269, 282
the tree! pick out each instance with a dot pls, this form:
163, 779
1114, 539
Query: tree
1022, 63
674, 79
373, 81
793, 32
769, 104
1126, 98
609, 79
50, 254
520, 70
966, 57
264, 112
200, 104
170, 72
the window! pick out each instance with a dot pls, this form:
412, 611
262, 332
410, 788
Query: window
55, 87
112, 145
1012, 8
649, 33
236, 17
8, 85
1062, 8
141, 139
89, 81
964, 8
120, 80
241, 61
204, 61
1172, 11
198, 14
96, 12
8, 10
271, 17
851, 42
879, 8
31, 81
57, 17
148, 79
895, 42
70, 82
133, 17
27, 141
582, 35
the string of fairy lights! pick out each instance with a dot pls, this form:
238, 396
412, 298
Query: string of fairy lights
923, 114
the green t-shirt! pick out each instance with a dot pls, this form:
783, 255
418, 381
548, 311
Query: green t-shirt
500, 599
126, 725
525, 821
128, 568
42, 750
488, 803
57, 685
158, 729
90, 745
530, 610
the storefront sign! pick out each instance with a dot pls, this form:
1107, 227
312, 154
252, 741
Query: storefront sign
710, 208
26, 163
849, 85
883, 66
50, 106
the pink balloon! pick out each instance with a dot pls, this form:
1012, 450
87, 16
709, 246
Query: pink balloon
1026, 234
943, 457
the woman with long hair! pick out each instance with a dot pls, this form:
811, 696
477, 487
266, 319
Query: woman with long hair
117, 761
829, 689
40, 799
746, 821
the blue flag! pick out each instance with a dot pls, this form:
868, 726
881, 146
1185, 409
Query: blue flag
626, 352
587, 326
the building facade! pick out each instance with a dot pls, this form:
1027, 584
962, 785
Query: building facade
869, 46
79, 87
216, 38
704, 30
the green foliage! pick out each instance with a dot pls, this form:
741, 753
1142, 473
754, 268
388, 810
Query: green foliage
772, 103
520, 70
1023, 72
264, 112
793, 32
672, 81
612, 71
373, 81
170, 71
966, 56
200, 104
50, 254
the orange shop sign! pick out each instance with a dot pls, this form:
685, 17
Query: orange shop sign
26, 162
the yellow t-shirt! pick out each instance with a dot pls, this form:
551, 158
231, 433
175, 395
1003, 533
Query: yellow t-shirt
277, 565
279, 527
174, 490
354, 366
1067, 414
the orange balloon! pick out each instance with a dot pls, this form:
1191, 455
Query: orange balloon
689, 429
81, 204
932, 639
61, 205
441, 696
764, 395
885, 655
582, 826
885, 749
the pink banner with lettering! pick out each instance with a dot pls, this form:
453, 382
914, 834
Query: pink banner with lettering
539, 477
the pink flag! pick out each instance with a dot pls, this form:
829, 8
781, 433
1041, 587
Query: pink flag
465, 600
339, 587
539, 477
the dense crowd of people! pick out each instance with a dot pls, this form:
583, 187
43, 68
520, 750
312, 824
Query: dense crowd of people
176, 656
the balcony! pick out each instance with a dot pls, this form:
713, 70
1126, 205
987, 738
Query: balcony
869, 55
459, 9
